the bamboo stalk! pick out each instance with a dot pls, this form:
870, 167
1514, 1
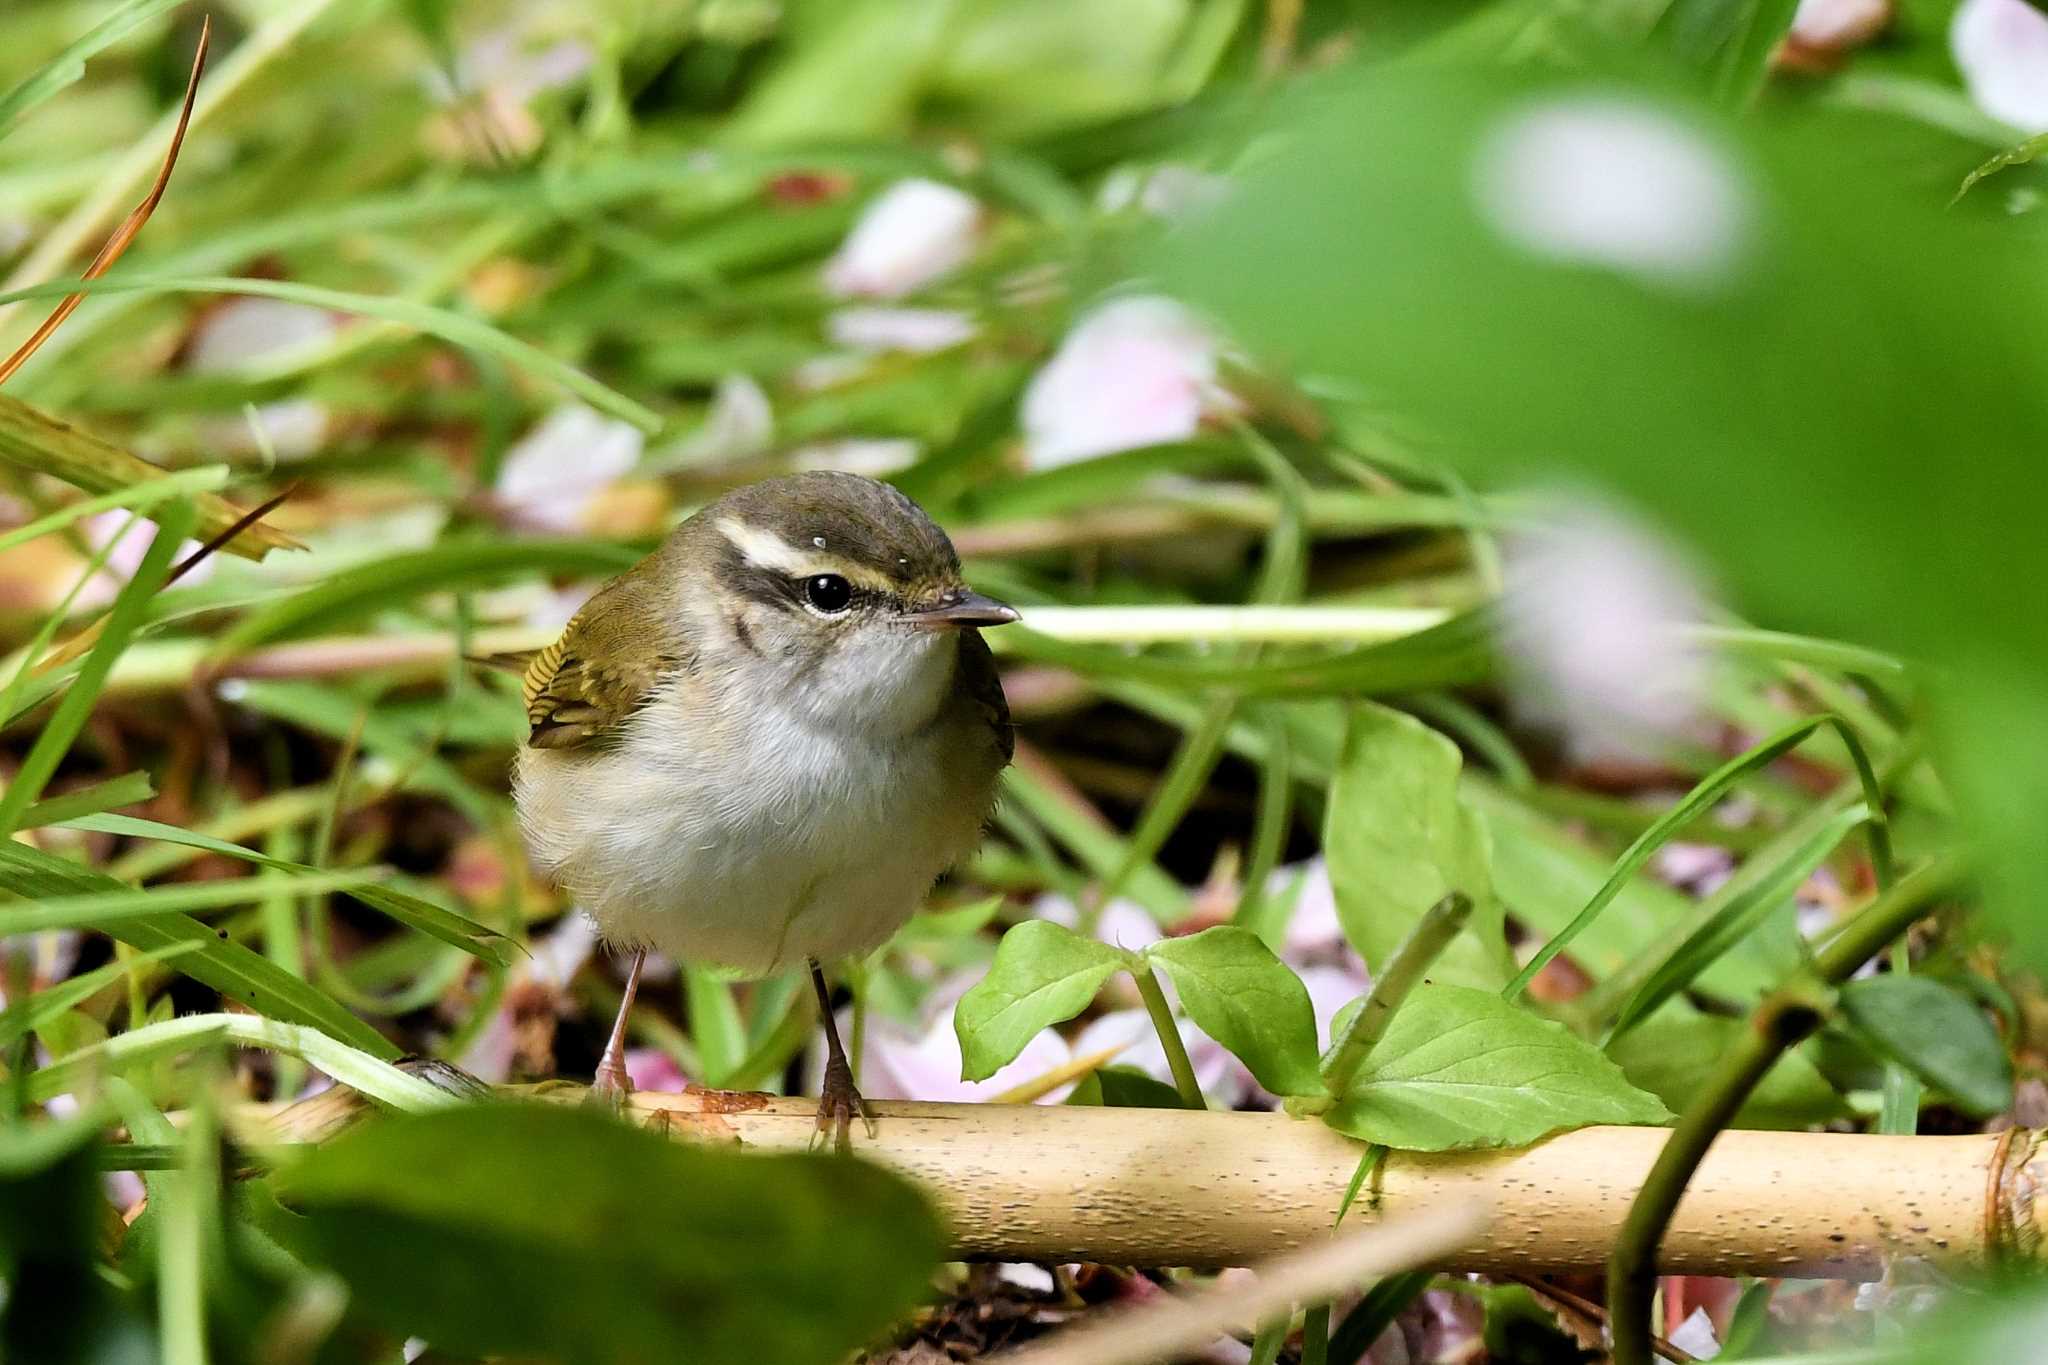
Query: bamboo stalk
1176, 1187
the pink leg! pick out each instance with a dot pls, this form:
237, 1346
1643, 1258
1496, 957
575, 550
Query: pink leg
611, 1082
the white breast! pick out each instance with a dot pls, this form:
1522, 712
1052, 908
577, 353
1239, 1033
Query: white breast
765, 833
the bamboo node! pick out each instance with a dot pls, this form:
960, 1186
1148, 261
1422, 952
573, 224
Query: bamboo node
2018, 1172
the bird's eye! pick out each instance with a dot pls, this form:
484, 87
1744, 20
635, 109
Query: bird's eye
828, 592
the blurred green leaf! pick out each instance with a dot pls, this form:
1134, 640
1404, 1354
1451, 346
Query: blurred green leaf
1671, 1055
353, 593
68, 66
45, 1005
125, 790
1398, 838
1119, 1087
556, 1231
58, 1308
1938, 1033
1777, 364
1729, 41
1245, 998
1462, 1068
1043, 974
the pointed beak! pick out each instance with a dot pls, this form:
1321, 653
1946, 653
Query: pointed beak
959, 608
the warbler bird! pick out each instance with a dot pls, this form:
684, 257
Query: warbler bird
761, 745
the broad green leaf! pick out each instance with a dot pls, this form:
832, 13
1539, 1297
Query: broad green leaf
1043, 974
1119, 1087
1464, 1068
533, 1230
1938, 1033
416, 912
226, 966
50, 1210
1671, 1054
1250, 1001
1398, 838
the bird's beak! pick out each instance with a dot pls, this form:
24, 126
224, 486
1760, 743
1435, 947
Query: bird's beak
961, 607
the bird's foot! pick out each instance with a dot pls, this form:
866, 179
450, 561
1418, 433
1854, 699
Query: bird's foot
838, 1102
611, 1087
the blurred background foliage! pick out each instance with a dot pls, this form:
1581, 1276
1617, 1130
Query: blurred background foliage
1570, 400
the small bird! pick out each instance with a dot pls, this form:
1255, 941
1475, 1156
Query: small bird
762, 744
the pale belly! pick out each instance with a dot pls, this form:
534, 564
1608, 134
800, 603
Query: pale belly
792, 845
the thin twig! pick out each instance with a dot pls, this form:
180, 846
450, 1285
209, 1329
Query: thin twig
131, 226
1786, 1016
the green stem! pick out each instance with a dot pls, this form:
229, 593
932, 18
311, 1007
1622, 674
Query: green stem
1403, 972
1169, 1034
1787, 1016
1315, 1336
1271, 1337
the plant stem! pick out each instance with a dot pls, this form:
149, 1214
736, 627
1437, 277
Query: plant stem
1169, 1034
1403, 972
1315, 1336
1272, 1336
1785, 1017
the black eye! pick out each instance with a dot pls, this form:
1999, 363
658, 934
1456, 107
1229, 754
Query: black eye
828, 592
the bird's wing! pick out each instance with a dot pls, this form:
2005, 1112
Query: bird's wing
608, 662
981, 682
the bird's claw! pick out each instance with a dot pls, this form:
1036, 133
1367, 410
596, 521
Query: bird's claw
838, 1101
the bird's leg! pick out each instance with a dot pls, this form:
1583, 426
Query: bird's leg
611, 1085
838, 1099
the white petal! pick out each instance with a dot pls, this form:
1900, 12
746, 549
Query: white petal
912, 234
1696, 1336
899, 1064
2001, 47
916, 330
1834, 24
1607, 181
876, 457
127, 554
740, 425
249, 331
551, 476
1136, 372
1592, 609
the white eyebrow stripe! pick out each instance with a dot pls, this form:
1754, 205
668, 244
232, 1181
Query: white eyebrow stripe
766, 550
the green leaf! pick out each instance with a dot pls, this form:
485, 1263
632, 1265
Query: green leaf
374, 1077
354, 593
33, 439
68, 66
1671, 1055
1245, 998
1398, 838
45, 1005
1043, 974
226, 966
1730, 41
413, 911
1119, 1087
1938, 1033
533, 1230
125, 790
1463, 1068
173, 523
1764, 886
458, 329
